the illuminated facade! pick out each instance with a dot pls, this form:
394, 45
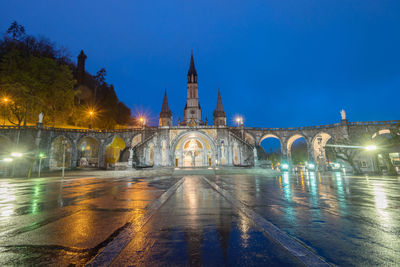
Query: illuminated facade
193, 143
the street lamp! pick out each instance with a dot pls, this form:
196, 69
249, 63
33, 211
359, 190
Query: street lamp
142, 121
239, 120
16, 154
41, 156
5, 101
64, 143
371, 147
91, 114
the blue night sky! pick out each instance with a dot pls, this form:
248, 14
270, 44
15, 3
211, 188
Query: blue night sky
278, 63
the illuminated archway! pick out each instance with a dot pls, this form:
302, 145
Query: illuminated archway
114, 149
297, 138
88, 152
272, 146
318, 145
57, 153
193, 149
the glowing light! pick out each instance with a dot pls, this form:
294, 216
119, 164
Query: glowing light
142, 120
370, 147
311, 166
7, 159
42, 155
16, 154
91, 113
285, 166
239, 120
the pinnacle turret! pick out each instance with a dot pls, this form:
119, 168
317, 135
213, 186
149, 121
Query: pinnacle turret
166, 113
219, 116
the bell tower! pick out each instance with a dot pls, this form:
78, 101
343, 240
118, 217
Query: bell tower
192, 108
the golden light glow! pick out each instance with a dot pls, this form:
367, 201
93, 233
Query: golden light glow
239, 120
142, 120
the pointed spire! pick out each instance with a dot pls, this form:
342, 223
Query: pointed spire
166, 113
165, 108
192, 69
219, 117
220, 107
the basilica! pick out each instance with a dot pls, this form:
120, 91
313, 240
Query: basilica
193, 143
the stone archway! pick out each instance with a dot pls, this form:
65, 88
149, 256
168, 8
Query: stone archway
57, 153
272, 152
113, 150
290, 142
318, 144
88, 152
194, 149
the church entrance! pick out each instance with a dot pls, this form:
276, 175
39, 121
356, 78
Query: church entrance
193, 154
194, 150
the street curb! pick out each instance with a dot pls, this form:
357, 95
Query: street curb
294, 247
106, 256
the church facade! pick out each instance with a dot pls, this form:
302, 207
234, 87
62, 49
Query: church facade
193, 143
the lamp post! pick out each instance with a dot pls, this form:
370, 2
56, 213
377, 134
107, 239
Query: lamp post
142, 121
41, 156
239, 121
5, 101
91, 114
64, 143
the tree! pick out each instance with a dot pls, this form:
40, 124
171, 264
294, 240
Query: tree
37, 84
100, 81
16, 31
39, 77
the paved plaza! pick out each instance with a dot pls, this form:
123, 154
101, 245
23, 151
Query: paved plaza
111, 218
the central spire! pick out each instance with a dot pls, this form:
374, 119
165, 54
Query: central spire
192, 108
192, 74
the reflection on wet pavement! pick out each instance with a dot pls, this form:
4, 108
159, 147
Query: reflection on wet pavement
50, 220
197, 226
350, 221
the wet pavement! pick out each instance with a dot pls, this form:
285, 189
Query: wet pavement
50, 221
348, 221
197, 226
